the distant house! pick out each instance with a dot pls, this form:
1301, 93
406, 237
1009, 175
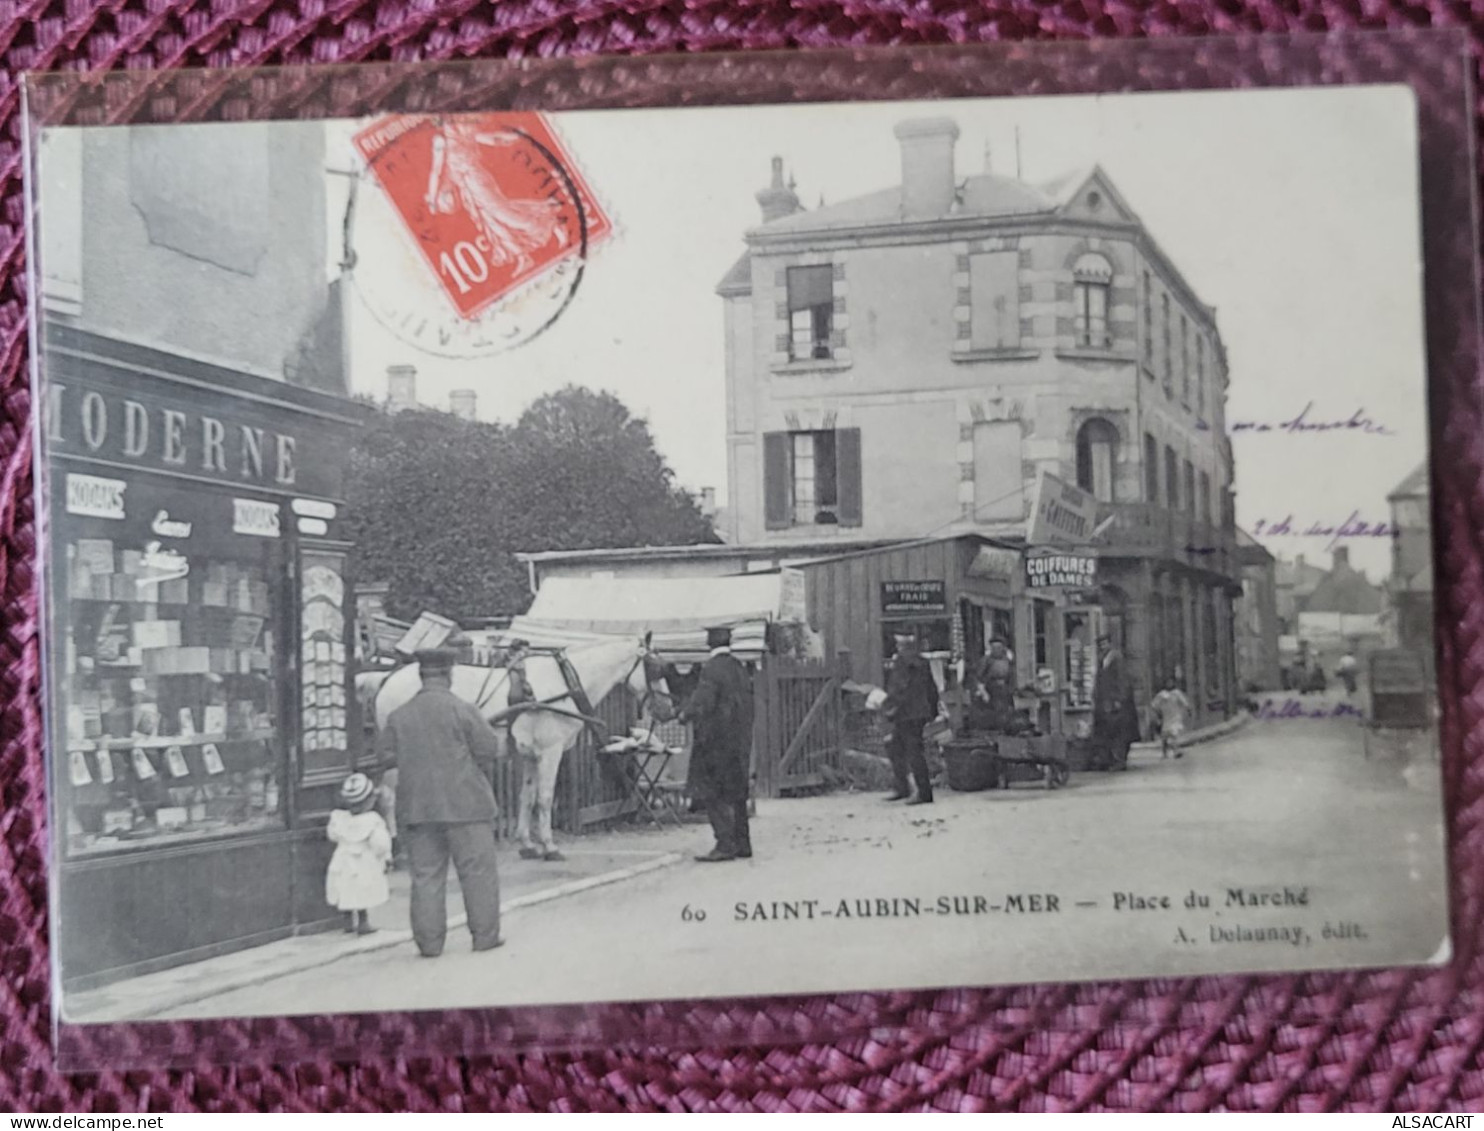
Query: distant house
1295, 580
1345, 590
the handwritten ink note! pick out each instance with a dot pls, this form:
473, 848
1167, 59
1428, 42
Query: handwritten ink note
1308, 422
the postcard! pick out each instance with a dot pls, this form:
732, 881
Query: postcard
995, 531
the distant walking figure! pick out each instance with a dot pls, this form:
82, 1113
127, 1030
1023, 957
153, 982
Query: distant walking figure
1347, 670
1172, 712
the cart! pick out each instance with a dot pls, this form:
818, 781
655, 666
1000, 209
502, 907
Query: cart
1400, 701
978, 761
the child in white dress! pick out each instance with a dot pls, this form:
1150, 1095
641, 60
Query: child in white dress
1172, 709
356, 880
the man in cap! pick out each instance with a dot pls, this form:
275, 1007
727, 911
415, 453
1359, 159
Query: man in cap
911, 703
720, 709
444, 752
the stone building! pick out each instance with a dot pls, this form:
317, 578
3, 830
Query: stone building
1259, 664
1410, 585
909, 361
196, 431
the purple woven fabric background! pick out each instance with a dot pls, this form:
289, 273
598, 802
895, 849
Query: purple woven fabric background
1393, 1040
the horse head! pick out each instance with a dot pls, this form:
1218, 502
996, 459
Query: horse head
647, 683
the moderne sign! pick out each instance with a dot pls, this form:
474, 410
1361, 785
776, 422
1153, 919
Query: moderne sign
126, 430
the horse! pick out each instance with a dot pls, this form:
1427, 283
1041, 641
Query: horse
542, 734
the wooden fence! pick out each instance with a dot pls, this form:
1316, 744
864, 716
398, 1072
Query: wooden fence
798, 732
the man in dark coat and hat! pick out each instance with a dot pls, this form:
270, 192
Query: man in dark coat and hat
1115, 717
911, 703
444, 752
720, 710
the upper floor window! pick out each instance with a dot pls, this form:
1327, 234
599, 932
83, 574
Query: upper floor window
1169, 353
1151, 469
1184, 360
1203, 500
811, 312
1190, 503
812, 478
994, 295
1200, 375
1097, 451
1092, 276
1172, 479
1148, 320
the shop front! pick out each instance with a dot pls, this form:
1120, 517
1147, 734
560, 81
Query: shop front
953, 594
200, 621
1067, 621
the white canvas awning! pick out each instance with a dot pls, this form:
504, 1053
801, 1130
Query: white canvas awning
677, 610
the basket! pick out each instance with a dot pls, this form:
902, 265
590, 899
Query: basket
972, 765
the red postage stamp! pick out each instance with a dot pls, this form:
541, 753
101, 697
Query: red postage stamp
492, 201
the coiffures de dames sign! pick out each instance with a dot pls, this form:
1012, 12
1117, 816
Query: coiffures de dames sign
1061, 571
239, 444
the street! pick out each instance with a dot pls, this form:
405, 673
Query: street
1306, 854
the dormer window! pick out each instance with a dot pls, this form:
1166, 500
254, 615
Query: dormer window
1092, 277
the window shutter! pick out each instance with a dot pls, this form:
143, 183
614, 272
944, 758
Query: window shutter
848, 474
811, 286
777, 488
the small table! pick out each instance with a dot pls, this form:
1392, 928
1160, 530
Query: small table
641, 767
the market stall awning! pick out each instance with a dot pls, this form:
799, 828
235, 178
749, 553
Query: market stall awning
677, 610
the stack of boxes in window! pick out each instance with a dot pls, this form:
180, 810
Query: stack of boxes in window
167, 707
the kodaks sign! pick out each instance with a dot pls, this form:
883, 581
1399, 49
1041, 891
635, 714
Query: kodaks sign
176, 514
1061, 571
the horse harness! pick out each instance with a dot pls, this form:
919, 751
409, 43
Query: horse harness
575, 692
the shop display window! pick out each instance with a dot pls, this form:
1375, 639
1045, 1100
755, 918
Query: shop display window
167, 700
324, 712
1079, 670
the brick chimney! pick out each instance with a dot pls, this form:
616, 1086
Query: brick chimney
401, 387
1342, 559
778, 199
462, 403
928, 182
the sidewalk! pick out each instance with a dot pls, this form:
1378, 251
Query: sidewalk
1205, 734
592, 861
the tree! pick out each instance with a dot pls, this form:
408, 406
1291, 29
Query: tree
581, 453
438, 505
